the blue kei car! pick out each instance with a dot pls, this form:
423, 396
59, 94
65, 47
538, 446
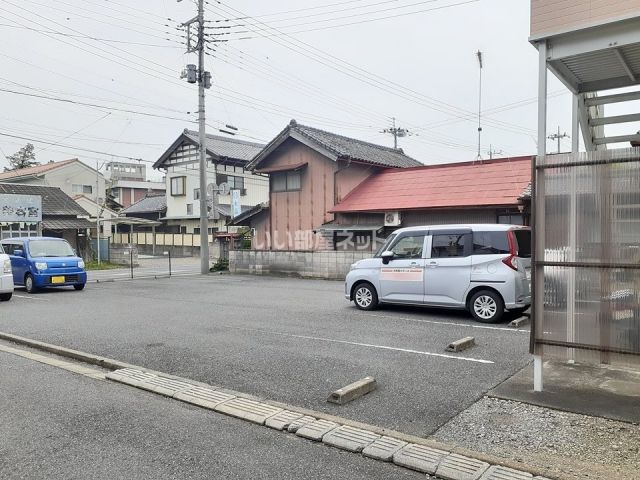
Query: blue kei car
43, 262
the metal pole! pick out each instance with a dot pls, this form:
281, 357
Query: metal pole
131, 260
537, 277
204, 220
169, 262
98, 212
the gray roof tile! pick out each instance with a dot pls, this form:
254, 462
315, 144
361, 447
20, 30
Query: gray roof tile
54, 200
345, 148
149, 204
358, 149
227, 147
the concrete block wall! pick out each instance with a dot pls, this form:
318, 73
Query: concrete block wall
330, 265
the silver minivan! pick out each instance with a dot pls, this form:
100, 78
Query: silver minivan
484, 268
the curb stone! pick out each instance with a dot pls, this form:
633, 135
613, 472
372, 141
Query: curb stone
497, 472
316, 430
384, 448
309, 416
457, 467
350, 439
420, 458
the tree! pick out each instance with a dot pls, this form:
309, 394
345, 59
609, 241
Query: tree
23, 158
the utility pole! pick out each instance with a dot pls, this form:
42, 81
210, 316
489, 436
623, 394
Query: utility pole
98, 211
397, 132
479, 55
493, 152
558, 137
204, 81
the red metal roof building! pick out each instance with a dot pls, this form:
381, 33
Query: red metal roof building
496, 183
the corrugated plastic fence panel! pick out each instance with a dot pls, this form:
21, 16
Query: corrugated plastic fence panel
587, 256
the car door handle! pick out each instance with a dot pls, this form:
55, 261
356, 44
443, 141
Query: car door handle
433, 264
414, 264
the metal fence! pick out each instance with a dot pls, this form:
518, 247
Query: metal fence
586, 269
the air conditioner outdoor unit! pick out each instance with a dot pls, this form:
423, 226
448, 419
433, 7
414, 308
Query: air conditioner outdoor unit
392, 219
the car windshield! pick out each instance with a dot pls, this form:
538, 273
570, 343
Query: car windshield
50, 248
1, 249
385, 245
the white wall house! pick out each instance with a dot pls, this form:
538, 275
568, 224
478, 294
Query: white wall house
72, 176
226, 161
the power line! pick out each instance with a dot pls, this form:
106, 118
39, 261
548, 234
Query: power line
4, 134
358, 73
358, 22
77, 131
101, 19
88, 37
86, 104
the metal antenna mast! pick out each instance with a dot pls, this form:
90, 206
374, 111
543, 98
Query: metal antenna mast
203, 79
479, 55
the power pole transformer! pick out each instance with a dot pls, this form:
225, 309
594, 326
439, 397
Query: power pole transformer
198, 75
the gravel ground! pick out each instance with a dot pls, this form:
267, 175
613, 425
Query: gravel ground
568, 444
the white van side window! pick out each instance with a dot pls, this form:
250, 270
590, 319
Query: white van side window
448, 245
409, 247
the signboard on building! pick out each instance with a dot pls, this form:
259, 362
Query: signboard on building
20, 208
235, 203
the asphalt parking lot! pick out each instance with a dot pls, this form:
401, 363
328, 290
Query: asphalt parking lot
283, 339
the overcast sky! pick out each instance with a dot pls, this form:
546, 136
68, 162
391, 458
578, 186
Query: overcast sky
287, 60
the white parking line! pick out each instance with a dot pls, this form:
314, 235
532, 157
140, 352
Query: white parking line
409, 319
359, 344
29, 297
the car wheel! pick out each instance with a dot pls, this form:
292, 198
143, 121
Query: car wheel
365, 296
486, 306
5, 297
29, 284
79, 286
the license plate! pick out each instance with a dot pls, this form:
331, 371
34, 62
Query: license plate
57, 279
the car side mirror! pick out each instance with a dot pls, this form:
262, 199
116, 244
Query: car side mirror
18, 253
387, 256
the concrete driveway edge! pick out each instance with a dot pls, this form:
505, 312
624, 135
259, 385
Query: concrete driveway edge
112, 364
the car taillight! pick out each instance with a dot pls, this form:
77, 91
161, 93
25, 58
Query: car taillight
510, 262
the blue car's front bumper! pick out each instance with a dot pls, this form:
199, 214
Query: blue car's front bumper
59, 278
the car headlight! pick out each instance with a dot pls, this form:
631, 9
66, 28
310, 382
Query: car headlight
41, 266
81, 264
6, 267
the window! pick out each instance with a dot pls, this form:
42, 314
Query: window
196, 194
408, 247
385, 246
178, 186
511, 219
189, 208
448, 245
523, 242
490, 243
77, 188
235, 183
285, 181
